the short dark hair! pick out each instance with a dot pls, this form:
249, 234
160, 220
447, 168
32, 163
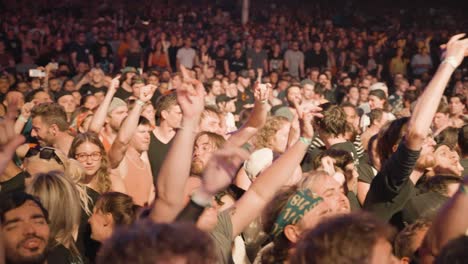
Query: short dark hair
51, 113
454, 252
376, 115
320, 244
148, 242
459, 96
165, 102
14, 200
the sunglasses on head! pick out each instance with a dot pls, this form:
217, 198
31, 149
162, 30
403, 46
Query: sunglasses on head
45, 153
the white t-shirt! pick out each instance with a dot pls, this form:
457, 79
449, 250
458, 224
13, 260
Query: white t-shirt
186, 57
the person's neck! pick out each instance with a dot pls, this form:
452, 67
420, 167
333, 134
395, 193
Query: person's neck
330, 141
133, 152
164, 132
63, 142
127, 87
109, 132
10, 171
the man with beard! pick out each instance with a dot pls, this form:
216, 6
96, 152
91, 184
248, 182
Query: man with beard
50, 126
25, 229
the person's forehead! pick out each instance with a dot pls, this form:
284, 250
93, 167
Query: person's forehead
27, 209
66, 98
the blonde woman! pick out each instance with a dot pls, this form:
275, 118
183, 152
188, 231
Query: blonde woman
60, 197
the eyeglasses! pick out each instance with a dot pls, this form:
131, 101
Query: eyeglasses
45, 153
95, 156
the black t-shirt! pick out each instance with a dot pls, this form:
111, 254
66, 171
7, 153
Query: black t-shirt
87, 247
82, 52
91, 89
157, 153
62, 255
15, 184
237, 64
424, 205
123, 94
391, 188
243, 98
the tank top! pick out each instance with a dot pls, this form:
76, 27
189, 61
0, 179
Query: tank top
138, 180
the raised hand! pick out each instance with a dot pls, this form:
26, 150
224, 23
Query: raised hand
261, 90
9, 140
191, 96
26, 109
306, 118
456, 49
222, 168
146, 92
114, 84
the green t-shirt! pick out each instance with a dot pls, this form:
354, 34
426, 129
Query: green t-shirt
222, 237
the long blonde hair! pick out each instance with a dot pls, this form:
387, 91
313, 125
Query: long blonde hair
60, 197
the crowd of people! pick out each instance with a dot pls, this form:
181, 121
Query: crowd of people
155, 133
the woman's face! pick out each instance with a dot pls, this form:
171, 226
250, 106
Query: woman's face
90, 156
375, 102
91, 102
101, 229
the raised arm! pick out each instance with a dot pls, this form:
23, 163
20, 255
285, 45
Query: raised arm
262, 190
129, 126
99, 118
9, 139
257, 118
175, 169
426, 106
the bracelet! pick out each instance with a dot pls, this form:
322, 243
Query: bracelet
305, 140
450, 60
140, 102
22, 119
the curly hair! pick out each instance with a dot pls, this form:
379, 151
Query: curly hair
103, 178
266, 136
333, 122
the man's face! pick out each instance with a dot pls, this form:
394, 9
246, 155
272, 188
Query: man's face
308, 92
440, 120
375, 102
333, 193
364, 95
136, 89
294, 96
351, 116
314, 216
54, 85
322, 79
141, 138
202, 152
456, 106
210, 123
42, 97
42, 132
25, 234
447, 161
68, 103
117, 116
4, 85
353, 93
173, 116
245, 82
216, 88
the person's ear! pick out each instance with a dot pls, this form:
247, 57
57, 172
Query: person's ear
164, 114
54, 129
405, 260
292, 233
394, 148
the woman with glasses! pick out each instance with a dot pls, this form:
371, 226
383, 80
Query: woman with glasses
88, 149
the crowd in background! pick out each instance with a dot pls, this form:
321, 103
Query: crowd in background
149, 132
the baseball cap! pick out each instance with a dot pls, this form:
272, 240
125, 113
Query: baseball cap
116, 102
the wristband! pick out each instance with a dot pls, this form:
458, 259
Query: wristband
22, 119
140, 102
450, 60
305, 140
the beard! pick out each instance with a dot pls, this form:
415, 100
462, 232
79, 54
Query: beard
38, 258
197, 167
